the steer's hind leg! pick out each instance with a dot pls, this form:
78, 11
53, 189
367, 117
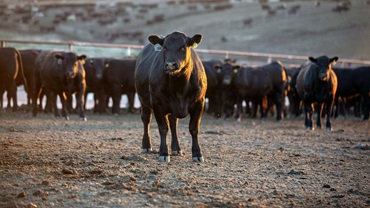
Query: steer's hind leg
146, 117
308, 116
195, 118
175, 145
319, 114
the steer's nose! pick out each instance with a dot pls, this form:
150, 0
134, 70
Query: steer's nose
323, 76
171, 65
70, 74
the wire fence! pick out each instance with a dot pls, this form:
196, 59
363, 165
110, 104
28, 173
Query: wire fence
132, 50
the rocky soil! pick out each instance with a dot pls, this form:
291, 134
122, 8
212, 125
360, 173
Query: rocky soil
50, 162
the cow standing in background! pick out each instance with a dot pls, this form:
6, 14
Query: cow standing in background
295, 102
360, 78
353, 82
62, 73
317, 83
118, 80
261, 84
10, 67
214, 85
170, 81
28, 63
226, 71
94, 69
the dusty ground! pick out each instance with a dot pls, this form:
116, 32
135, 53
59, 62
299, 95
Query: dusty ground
50, 162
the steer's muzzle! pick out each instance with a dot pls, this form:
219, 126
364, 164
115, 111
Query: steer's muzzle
171, 66
323, 76
70, 74
227, 81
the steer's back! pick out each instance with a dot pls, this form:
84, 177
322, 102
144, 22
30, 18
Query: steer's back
144, 65
45, 68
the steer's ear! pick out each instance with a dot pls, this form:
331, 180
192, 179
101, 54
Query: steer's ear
156, 41
81, 58
334, 60
218, 68
312, 59
59, 56
195, 40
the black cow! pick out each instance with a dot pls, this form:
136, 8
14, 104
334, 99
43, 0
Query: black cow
94, 68
170, 81
214, 85
28, 63
261, 84
62, 73
226, 73
352, 82
10, 66
361, 77
118, 80
317, 83
295, 102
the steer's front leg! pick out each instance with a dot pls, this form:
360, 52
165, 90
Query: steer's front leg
162, 122
175, 145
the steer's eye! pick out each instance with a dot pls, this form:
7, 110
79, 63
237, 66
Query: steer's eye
182, 48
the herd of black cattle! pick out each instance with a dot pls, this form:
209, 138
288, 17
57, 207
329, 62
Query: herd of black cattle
53, 73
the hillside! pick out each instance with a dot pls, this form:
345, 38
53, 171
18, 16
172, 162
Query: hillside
294, 27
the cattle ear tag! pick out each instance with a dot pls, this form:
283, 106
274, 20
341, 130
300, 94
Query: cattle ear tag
235, 71
59, 61
106, 65
82, 61
219, 71
158, 47
195, 45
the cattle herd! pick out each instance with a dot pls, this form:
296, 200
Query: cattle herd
172, 82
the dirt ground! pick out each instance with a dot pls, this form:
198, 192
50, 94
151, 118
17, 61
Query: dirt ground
50, 162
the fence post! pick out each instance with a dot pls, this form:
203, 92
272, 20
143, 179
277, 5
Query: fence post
227, 55
269, 59
70, 47
3, 44
129, 51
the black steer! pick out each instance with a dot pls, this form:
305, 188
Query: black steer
94, 68
62, 73
214, 85
118, 80
317, 83
226, 73
10, 67
170, 81
260, 84
354, 81
28, 62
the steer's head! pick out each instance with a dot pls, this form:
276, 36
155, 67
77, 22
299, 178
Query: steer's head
97, 65
176, 49
226, 72
324, 66
70, 63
